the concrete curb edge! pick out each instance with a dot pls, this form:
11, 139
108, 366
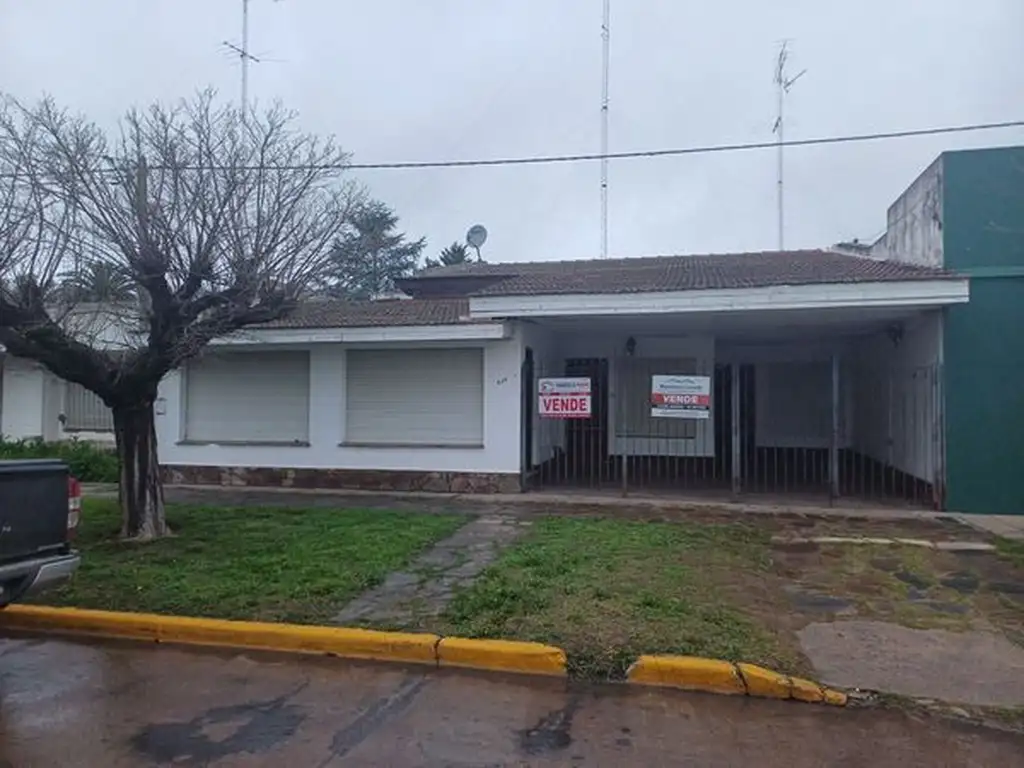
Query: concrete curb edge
684, 672
694, 673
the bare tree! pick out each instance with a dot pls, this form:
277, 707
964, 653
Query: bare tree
219, 223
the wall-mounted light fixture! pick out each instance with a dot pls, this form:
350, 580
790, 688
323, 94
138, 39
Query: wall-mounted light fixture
630, 346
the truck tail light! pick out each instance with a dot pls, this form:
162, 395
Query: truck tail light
74, 505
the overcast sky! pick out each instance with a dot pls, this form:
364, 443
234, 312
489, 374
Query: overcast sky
452, 79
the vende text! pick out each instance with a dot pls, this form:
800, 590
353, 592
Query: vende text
660, 398
565, 406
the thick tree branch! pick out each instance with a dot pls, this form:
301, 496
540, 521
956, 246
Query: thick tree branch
198, 222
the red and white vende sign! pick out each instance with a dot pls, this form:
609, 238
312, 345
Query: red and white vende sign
564, 398
681, 397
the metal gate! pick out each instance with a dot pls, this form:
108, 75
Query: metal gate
847, 430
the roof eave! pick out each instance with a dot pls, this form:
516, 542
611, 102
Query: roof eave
935, 292
480, 330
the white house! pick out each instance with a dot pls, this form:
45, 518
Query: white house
813, 371
810, 360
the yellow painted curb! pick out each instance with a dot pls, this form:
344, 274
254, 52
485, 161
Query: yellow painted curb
810, 691
693, 673
834, 698
764, 683
338, 641
502, 655
688, 672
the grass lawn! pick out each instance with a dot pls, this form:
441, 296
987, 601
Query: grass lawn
1012, 550
608, 590
269, 564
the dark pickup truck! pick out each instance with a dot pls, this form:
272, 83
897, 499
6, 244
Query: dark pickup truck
40, 505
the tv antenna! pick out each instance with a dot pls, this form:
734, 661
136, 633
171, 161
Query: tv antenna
244, 56
783, 82
606, 32
476, 237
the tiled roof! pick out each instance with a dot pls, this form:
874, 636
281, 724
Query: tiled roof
681, 273
363, 314
639, 275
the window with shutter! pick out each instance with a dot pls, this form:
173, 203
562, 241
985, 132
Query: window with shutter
415, 397
248, 397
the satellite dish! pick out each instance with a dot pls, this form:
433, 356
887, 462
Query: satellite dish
476, 236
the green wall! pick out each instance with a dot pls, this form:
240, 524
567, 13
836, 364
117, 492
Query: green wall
983, 237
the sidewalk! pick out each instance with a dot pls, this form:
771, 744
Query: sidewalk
1008, 526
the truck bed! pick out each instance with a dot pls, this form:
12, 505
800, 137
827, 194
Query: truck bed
33, 509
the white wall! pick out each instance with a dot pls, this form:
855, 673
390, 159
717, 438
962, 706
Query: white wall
500, 453
897, 398
914, 222
548, 434
53, 405
22, 415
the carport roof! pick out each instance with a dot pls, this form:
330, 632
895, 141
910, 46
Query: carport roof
669, 273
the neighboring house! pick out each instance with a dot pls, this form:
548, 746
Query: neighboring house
965, 213
35, 404
805, 372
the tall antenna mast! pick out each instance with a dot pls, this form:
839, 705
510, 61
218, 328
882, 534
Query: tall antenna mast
606, 32
783, 82
244, 57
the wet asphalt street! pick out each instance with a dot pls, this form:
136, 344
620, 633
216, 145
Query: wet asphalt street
67, 704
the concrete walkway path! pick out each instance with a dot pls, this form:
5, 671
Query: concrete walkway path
425, 588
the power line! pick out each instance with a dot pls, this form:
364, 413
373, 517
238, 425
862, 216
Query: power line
695, 150
638, 154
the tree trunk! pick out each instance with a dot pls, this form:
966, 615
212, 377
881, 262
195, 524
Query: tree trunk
142, 491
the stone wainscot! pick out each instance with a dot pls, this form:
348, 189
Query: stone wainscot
357, 479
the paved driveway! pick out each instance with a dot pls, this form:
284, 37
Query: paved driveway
145, 705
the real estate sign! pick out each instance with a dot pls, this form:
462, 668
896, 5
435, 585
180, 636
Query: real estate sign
681, 397
564, 398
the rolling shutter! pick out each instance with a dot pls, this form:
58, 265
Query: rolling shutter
424, 397
248, 397
84, 411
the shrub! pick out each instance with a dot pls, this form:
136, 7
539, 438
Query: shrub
89, 463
